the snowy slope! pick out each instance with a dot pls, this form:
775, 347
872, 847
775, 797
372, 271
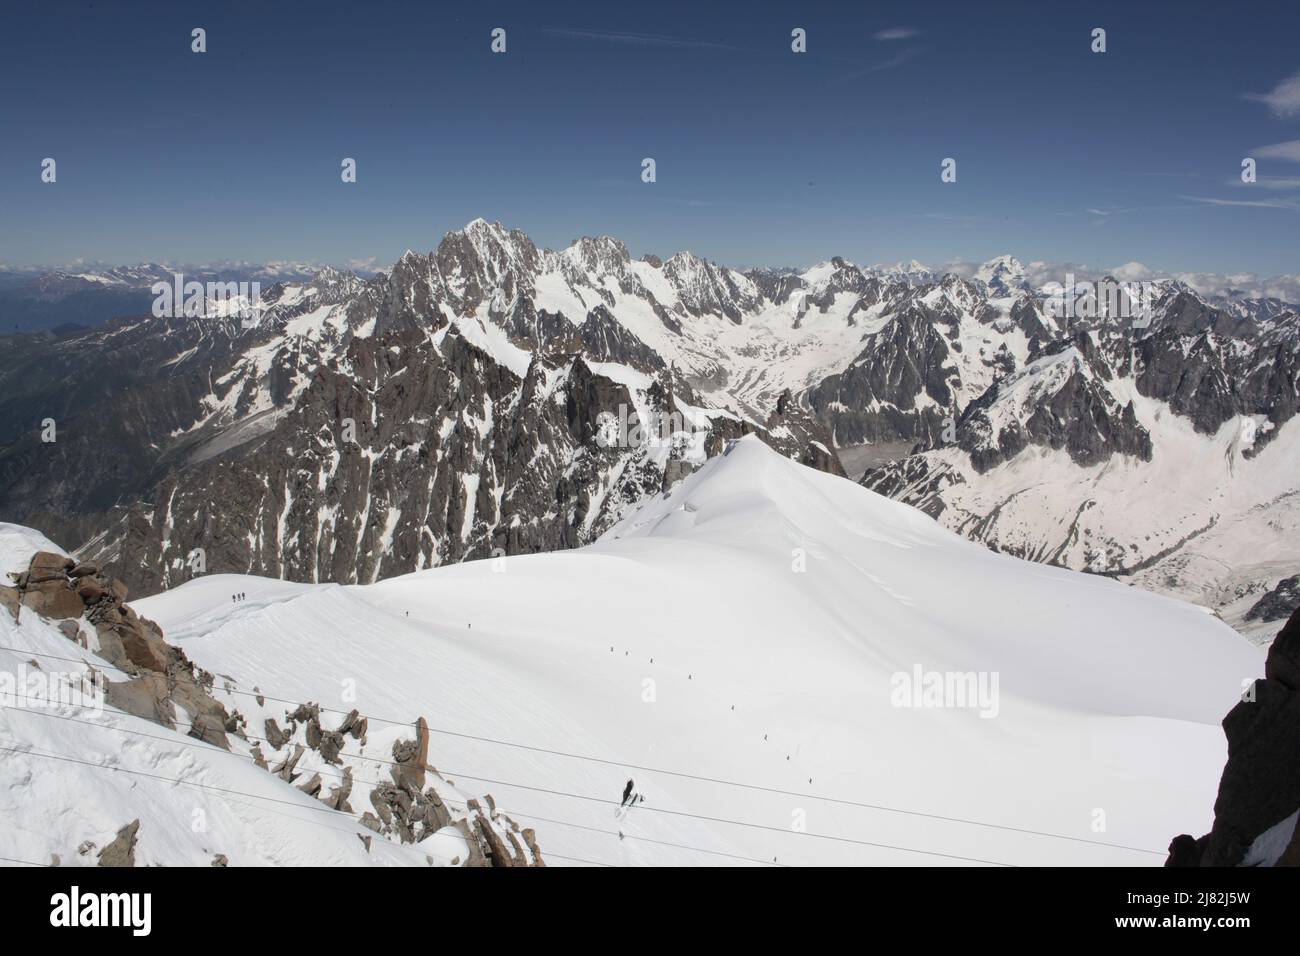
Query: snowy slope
71, 776
685, 645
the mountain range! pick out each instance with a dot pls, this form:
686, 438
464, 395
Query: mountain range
74, 297
475, 401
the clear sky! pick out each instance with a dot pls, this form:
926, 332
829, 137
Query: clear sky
764, 156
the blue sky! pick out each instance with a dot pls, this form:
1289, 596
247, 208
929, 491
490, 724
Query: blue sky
763, 156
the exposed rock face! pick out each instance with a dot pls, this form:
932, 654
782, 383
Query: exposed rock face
1279, 603
274, 735
452, 456
162, 677
1211, 367
412, 758
48, 589
408, 808
901, 385
1059, 401
408, 805
121, 851
1260, 787
229, 436
793, 430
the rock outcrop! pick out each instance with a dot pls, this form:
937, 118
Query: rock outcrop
91, 610
1255, 815
121, 851
1279, 603
163, 686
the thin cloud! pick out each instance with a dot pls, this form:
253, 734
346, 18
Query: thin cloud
1288, 151
896, 33
1102, 215
1268, 182
725, 204
637, 39
1252, 203
1283, 99
896, 60
1163, 174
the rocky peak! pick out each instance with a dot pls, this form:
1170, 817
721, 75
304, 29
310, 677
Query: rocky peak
705, 288
1060, 400
1258, 804
90, 609
603, 255
901, 384
482, 260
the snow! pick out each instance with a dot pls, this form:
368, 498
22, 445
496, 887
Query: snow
655, 283
17, 545
623, 375
552, 293
1242, 514
69, 775
493, 340
794, 597
533, 674
470, 483
312, 324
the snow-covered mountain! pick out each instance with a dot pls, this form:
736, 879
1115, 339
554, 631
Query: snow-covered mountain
52, 284
1167, 456
61, 300
756, 647
460, 404
1004, 276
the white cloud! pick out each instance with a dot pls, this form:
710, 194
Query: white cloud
958, 268
1131, 272
1253, 203
1289, 151
1270, 182
896, 33
1242, 285
1283, 99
